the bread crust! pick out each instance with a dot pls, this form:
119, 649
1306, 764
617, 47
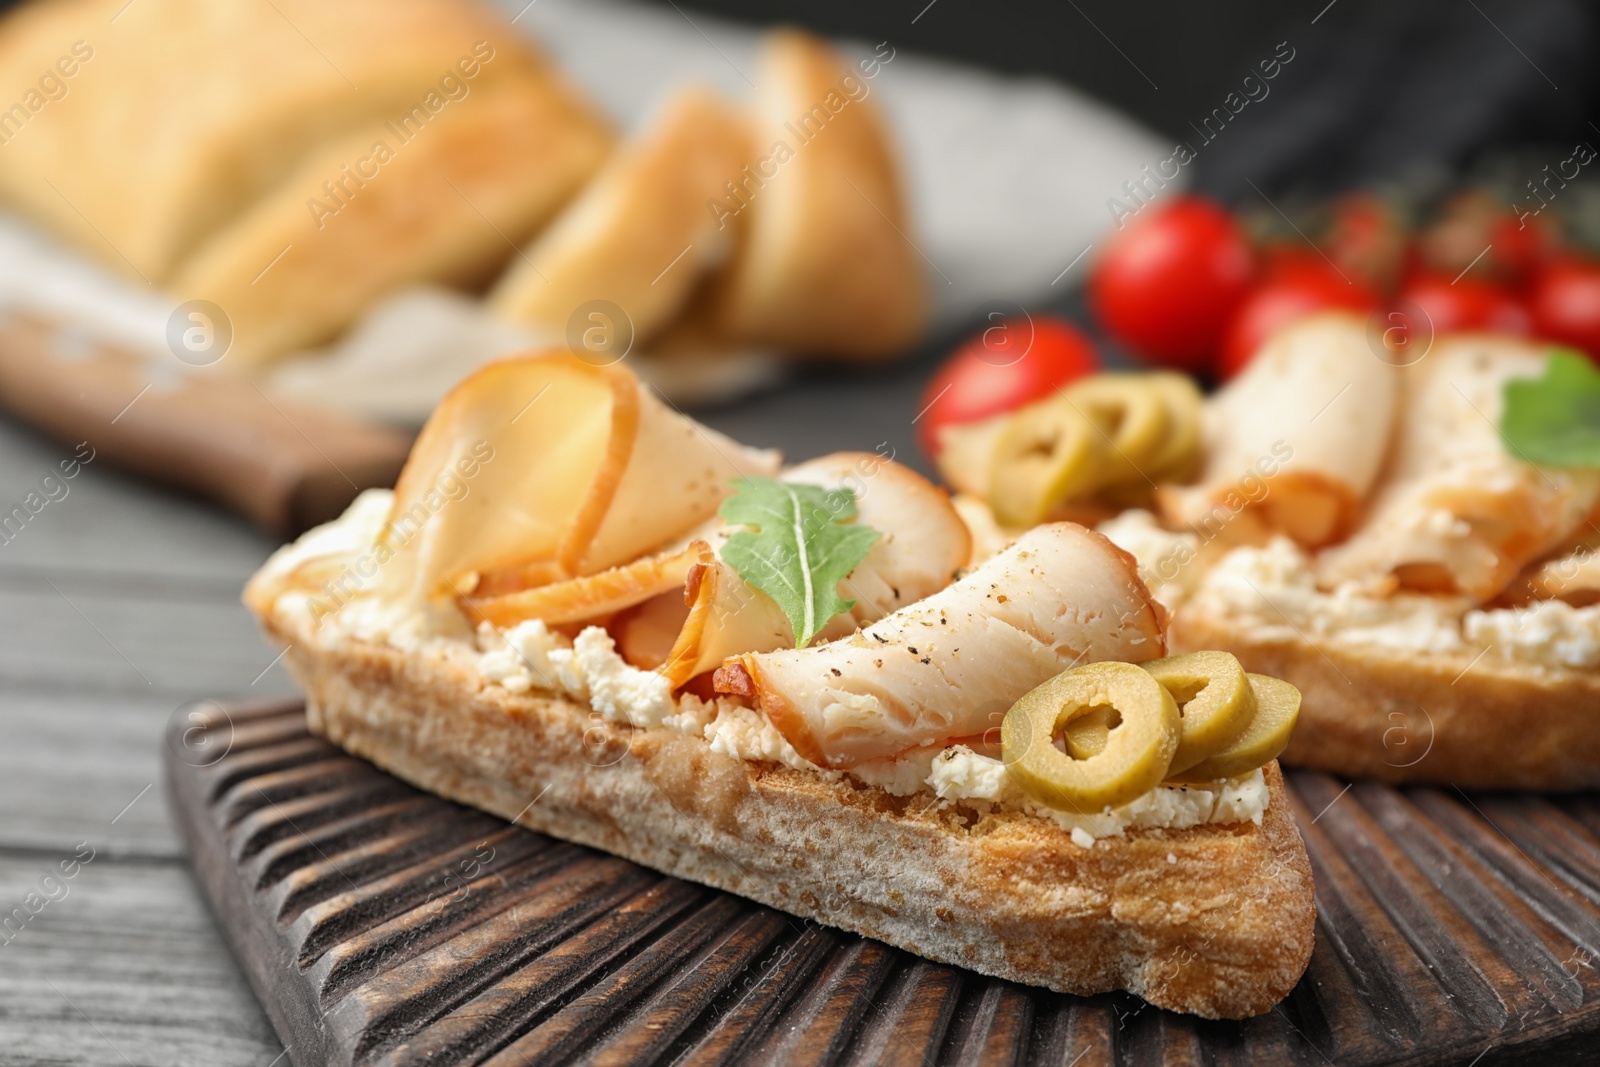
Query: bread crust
1223, 931
1401, 716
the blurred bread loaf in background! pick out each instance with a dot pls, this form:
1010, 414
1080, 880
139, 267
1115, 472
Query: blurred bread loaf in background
296, 162
183, 113
640, 235
444, 206
827, 265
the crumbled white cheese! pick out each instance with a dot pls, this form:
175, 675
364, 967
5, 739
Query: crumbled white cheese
618, 691
962, 774
1272, 587
693, 714
742, 733
959, 773
1082, 838
408, 627
1550, 632
529, 656
1163, 556
901, 776
1172, 857
348, 535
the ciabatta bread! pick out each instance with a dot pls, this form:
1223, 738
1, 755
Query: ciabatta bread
1216, 920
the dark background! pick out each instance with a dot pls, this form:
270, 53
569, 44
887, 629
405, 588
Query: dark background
1192, 51
1381, 93
1378, 88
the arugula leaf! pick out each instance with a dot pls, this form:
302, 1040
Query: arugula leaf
1554, 421
799, 551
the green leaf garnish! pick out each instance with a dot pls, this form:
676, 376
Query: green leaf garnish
799, 550
1554, 421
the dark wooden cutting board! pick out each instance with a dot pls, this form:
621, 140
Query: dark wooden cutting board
381, 925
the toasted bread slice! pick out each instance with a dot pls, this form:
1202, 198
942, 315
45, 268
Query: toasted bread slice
439, 203
827, 264
1216, 920
640, 236
1398, 715
167, 117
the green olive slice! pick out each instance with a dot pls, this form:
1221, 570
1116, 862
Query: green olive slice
1086, 735
1277, 708
1216, 704
1215, 700
1131, 415
1137, 751
1047, 454
1180, 452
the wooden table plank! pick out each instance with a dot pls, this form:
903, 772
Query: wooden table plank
126, 643
121, 604
107, 523
52, 800
126, 967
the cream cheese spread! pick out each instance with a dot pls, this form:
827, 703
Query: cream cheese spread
1272, 589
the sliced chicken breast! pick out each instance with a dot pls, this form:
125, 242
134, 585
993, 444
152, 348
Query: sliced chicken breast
923, 544
1297, 440
951, 665
1456, 511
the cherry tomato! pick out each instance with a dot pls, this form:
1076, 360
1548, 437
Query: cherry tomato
1167, 285
1477, 235
1001, 368
1565, 303
1520, 247
1281, 259
1367, 239
1296, 288
1465, 303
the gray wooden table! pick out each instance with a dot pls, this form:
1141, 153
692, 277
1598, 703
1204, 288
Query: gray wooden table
118, 604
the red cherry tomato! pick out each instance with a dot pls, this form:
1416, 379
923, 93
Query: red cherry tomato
1565, 303
1001, 368
1475, 234
1282, 259
1167, 285
1520, 247
1465, 303
1367, 239
1296, 288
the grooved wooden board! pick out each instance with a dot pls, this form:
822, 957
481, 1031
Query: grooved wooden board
381, 925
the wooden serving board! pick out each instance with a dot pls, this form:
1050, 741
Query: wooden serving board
382, 925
